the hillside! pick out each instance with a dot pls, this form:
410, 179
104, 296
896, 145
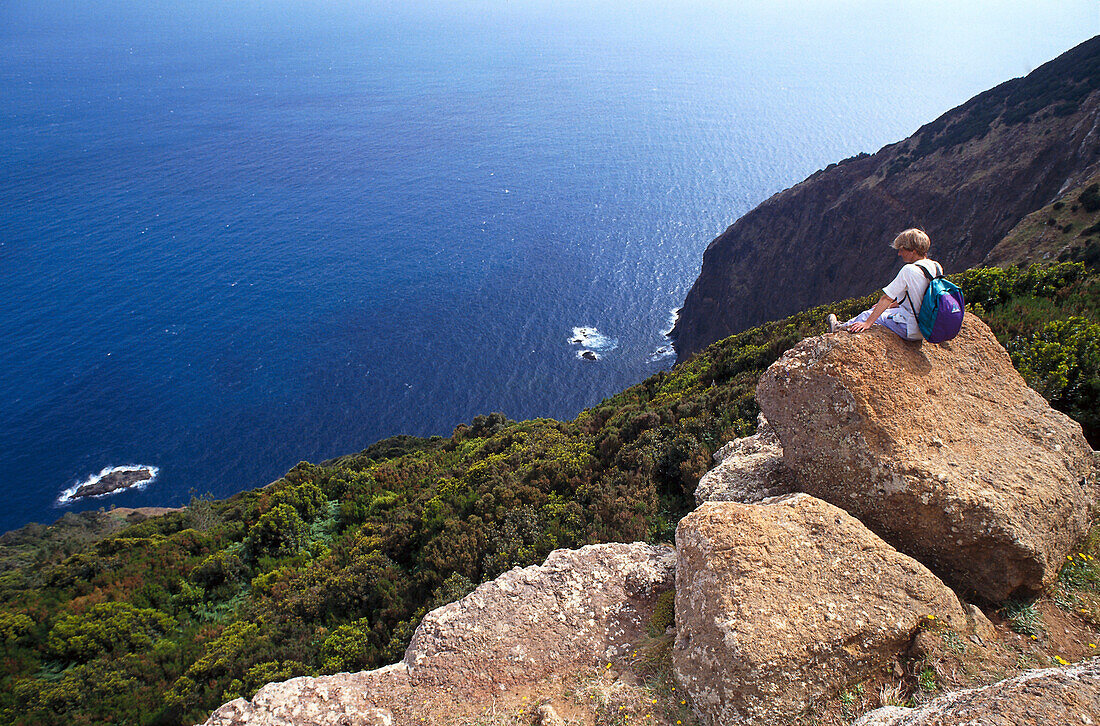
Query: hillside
331, 567
968, 178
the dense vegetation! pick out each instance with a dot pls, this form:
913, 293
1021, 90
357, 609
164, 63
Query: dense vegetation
331, 567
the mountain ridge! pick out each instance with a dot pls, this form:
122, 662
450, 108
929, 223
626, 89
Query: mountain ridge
968, 178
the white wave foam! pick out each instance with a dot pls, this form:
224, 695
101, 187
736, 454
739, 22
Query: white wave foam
587, 355
592, 338
67, 496
662, 353
673, 318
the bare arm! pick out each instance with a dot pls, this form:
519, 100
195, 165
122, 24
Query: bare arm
883, 303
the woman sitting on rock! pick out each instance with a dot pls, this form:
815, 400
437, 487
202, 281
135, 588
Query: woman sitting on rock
899, 305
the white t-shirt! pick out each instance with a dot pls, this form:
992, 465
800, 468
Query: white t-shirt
907, 290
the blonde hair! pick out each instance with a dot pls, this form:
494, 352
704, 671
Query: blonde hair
912, 239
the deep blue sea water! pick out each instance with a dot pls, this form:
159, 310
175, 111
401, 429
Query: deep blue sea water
235, 235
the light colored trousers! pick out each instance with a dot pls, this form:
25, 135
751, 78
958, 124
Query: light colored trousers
893, 319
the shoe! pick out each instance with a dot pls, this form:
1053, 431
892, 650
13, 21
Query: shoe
834, 325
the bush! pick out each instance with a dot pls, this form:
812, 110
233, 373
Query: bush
307, 499
279, 532
1061, 361
14, 627
1090, 198
664, 614
221, 568
261, 674
106, 629
351, 647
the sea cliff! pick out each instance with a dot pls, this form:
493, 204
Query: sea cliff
968, 178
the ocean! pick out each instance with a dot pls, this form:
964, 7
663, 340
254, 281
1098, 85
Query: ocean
239, 234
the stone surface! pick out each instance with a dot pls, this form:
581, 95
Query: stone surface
1069, 696
781, 603
827, 238
580, 607
547, 716
363, 699
749, 469
941, 450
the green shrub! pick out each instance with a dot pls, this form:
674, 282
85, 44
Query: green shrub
1090, 198
279, 532
1061, 361
224, 567
14, 627
261, 674
664, 614
1080, 572
351, 647
307, 499
106, 629
1022, 617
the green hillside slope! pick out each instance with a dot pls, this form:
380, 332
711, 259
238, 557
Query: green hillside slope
331, 567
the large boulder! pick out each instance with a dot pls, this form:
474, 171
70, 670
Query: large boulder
364, 699
749, 469
782, 603
942, 450
578, 608
1069, 695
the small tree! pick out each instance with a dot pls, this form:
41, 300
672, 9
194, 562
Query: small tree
279, 532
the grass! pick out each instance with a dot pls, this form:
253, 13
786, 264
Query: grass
927, 680
952, 640
1081, 572
893, 695
651, 697
1078, 587
1023, 618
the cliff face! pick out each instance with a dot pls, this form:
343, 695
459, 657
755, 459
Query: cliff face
967, 178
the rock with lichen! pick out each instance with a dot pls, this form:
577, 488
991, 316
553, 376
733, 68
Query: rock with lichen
1069, 695
942, 450
789, 601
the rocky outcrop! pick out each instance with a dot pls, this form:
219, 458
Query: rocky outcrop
749, 469
967, 178
942, 450
781, 603
364, 699
1068, 695
578, 608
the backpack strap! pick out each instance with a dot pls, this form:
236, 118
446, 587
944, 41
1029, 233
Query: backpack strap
927, 274
939, 270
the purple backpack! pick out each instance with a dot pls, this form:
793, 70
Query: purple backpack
941, 311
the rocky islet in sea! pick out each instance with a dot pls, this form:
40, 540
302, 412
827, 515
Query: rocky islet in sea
113, 480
